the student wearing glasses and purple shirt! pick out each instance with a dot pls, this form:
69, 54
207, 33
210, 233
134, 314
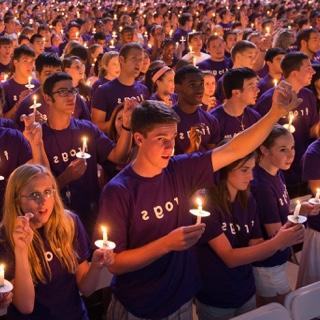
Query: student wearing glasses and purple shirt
146, 208
46, 250
62, 136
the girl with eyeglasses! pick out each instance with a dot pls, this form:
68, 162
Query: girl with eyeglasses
45, 249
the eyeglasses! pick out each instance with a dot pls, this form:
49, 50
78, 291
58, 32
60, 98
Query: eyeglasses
64, 92
39, 196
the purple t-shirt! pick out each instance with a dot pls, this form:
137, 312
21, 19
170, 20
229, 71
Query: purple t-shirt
311, 171
59, 298
210, 131
98, 83
225, 287
7, 123
80, 112
218, 68
138, 210
61, 147
273, 203
231, 126
180, 33
226, 26
305, 117
12, 91
265, 84
14, 151
109, 95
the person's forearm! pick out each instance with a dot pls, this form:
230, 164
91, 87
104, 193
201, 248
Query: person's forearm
88, 283
11, 114
39, 155
24, 293
121, 151
241, 256
136, 259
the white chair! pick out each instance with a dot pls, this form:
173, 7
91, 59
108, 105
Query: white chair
304, 303
271, 311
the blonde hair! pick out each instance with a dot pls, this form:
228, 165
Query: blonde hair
107, 56
59, 231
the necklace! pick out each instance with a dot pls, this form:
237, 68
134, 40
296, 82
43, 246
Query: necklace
241, 121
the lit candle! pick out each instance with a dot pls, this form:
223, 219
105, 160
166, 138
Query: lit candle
171, 33
146, 34
29, 80
275, 82
194, 60
291, 117
115, 17
77, 34
289, 27
199, 203
114, 34
104, 235
268, 30
289, 126
5, 77
190, 49
297, 210
94, 30
120, 28
112, 43
1, 275
318, 194
84, 144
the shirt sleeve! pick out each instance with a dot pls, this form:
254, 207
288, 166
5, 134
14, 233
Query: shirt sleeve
256, 232
23, 148
99, 99
310, 164
215, 130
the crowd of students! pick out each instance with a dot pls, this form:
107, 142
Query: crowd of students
119, 115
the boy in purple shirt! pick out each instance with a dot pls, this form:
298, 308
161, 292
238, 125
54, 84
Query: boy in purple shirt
243, 56
63, 138
185, 26
234, 116
6, 51
48, 63
217, 63
297, 71
15, 88
308, 42
197, 129
109, 95
146, 208
272, 58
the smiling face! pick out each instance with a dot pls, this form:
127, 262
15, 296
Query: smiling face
37, 197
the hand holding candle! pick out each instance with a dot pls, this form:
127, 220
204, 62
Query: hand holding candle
35, 106
105, 243
83, 153
296, 217
5, 285
316, 200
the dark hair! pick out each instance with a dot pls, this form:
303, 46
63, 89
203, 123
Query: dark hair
273, 52
183, 73
213, 38
304, 35
35, 36
49, 59
219, 194
52, 80
5, 41
233, 80
99, 36
23, 50
292, 61
112, 131
67, 61
80, 51
125, 50
184, 18
315, 77
149, 75
240, 47
150, 113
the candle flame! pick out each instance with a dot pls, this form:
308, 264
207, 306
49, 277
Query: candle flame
103, 229
199, 202
275, 82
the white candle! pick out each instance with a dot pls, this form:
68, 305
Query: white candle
1, 275
318, 194
77, 34
183, 39
84, 144
268, 30
29, 80
5, 77
199, 203
275, 82
104, 235
297, 209
291, 117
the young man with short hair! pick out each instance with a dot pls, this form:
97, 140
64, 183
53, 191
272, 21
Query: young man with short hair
297, 70
15, 89
146, 208
241, 90
217, 63
63, 137
38, 42
308, 42
197, 129
113, 93
195, 43
6, 51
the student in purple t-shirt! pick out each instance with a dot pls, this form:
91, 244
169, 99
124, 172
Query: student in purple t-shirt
113, 93
208, 99
46, 250
48, 63
16, 149
6, 51
161, 81
185, 26
270, 192
146, 209
15, 88
63, 138
308, 42
241, 90
197, 129
217, 63
297, 71
243, 55
309, 270
272, 58
231, 242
